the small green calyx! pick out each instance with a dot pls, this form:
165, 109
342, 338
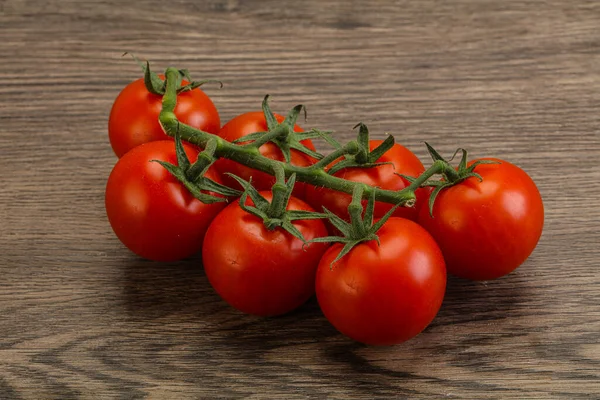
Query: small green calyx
192, 176
155, 85
364, 156
282, 134
275, 214
359, 229
451, 175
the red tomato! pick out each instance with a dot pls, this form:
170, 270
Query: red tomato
151, 212
383, 294
259, 271
487, 229
252, 122
134, 116
402, 160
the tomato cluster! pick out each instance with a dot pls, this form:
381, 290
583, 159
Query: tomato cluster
383, 279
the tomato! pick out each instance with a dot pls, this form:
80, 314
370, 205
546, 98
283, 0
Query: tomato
259, 271
402, 160
133, 118
252, 122
383, 294
487, 229
150, 211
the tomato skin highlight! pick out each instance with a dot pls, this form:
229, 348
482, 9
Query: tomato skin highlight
251, 122
487, 229
133, 118
150, 211
384, 176
258, 271
387, 294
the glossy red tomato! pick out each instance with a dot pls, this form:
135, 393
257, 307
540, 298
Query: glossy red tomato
487, 229
402, 160
252, 122
150, 211
134, 116
383, 294
259, 271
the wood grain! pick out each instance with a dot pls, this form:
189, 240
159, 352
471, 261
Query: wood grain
81, 317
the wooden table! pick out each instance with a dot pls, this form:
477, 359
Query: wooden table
81, 317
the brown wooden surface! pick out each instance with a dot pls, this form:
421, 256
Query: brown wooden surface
81, 317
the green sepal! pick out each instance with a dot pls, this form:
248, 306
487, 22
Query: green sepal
427, 183
208, 184
269, 115
152, 81
338, 223
196, 84
434, 195
192, 176
251, 209
363, 143
182, 158
345, 250
364, 157
319, 134
287, 225
283, 134
185, 73
328, 239
270, 213
291, 182
177, 172
383, 219
292, 140
345, 163
303, 149
259, 201
292, 116
434, 154
285, 150
462, 165
480, 162
352, 233
451, 177
380, 150
157, 86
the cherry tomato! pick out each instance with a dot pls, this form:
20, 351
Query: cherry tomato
402, 161
487, 229
383, 294
133, 118
252, 122
150, 211
259, 271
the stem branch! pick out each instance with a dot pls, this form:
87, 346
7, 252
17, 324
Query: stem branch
250, 156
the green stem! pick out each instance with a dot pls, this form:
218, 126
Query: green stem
437, 167
169, 100
451, 174
349, 148
281, 130
251, 157
355, 210
205, 158
280, 195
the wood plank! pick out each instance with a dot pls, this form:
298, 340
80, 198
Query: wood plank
83, 318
